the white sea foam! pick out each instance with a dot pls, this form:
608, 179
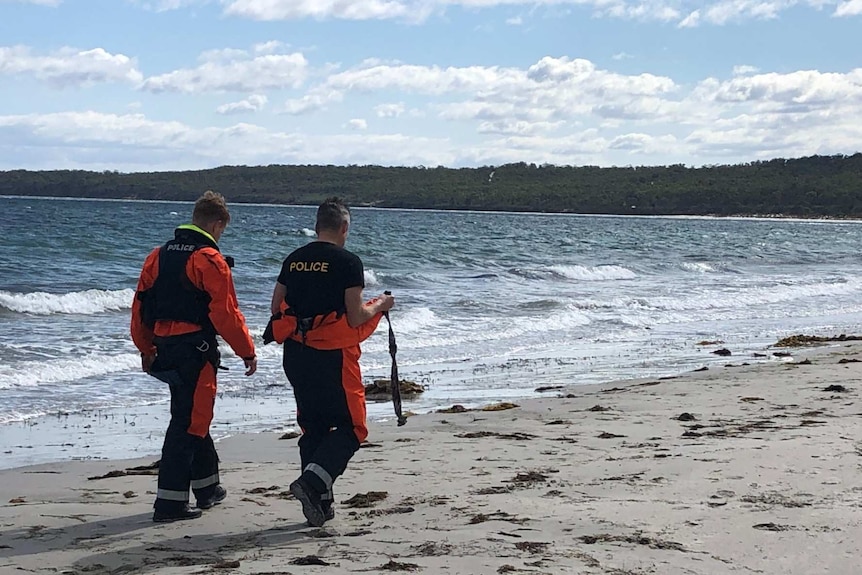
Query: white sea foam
88, 302
412, 320
419, 335
18, 416
596, 273
271, 351
566, 319
34, 373
701, 267
752, 296
309, 233
371, 278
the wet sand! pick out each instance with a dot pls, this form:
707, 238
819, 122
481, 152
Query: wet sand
744, 469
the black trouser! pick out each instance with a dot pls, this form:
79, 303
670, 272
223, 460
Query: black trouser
189, 459
328, 439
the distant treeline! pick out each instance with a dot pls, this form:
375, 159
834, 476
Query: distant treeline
817, 186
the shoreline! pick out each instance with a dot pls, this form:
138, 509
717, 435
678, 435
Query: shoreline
106, 434
747, 469
778, 216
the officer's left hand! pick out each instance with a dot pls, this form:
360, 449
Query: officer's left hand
251, 365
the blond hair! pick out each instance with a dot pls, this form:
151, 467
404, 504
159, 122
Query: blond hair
210, 208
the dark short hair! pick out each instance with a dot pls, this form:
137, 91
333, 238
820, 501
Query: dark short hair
331, 214
209, 208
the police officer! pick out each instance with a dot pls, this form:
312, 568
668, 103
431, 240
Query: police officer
185, 297
320, 316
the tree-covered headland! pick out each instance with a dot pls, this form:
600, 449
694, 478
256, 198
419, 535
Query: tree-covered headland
816, 186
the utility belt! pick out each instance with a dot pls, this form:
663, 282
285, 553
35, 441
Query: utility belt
185, 355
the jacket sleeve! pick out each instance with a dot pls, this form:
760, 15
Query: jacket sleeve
142, 335
212, 274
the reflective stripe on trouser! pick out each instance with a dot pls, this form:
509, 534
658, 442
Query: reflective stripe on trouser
189, 458
330, 402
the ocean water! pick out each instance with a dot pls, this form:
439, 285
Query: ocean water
490, 306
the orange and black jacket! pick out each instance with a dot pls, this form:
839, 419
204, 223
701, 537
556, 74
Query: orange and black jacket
186, 286
329, 331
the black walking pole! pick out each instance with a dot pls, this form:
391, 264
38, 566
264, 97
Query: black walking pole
394, 383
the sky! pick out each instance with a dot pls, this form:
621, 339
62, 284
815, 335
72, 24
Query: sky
156, 85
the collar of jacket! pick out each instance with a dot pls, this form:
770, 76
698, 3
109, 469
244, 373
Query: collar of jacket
194, 228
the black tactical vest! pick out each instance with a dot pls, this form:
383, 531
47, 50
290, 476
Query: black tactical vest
173, 296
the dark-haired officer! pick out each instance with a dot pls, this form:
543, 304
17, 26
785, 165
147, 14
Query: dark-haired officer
320, 316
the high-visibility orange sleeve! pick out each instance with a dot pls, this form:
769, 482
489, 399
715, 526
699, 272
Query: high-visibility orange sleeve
209, 271
142, 335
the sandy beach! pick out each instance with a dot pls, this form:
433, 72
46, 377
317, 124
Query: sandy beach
744, 469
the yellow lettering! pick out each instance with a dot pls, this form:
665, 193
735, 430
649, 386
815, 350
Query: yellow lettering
309, 266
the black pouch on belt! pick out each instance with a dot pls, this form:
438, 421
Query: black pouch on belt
180, 358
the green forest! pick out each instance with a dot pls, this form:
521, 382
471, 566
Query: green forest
816, 186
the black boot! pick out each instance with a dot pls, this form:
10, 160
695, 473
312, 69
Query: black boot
310, 499
218, 495
179, 514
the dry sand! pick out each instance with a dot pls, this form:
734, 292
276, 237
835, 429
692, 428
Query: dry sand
746, 469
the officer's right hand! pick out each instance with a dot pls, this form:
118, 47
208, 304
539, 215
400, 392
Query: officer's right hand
147, 360
250, 365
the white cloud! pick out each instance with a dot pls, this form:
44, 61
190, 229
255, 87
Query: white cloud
551, 90
133, 142
685, 12
168, 5
234, 71
489, 111
389, 110
269, 47
570, 97
68, 66
637, 143
622, 56
423, 79
849, 8
785, 115
805, 87
253, 103
100, 129
322, 9
517, 127
550, 82
745, 70
222, 55
734, 11
691, 21
557, 110
315, 100
419, 10
659, 11
699, 126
